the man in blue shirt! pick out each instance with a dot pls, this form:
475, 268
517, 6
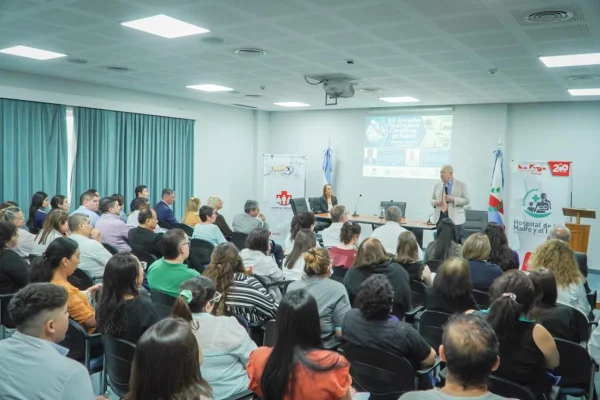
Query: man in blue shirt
163, 208
88, 205
33, 366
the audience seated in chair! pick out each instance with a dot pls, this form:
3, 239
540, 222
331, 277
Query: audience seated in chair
88, 205
305, 220
224, 343
216, 203
163, 208
407, 255
121, 311
563, 233
58, 262
452, 290
470, 350
256, 254
114, 231
501, 254
121, 200
167, 364
33, 365
331, 235
372, 259
388, 233
55, 226
141, 192
331, 296
60, 202
372, 325
191, 217
26, 239
526, 348
344, 253
37, 211
138, 204
92, 254
476, 250
167, 273
14, 271
318, 374
293, 263
445, 244
144, 237
558, 257
241, 294
560, 320
206, 229
252, 219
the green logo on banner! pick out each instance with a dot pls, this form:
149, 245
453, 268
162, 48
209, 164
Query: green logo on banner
536, 204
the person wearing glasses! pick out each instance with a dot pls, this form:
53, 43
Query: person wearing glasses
167, 273
331, 235
225, 344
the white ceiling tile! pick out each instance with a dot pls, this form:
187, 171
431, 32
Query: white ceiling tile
311, 24
444, 58
503, 52
67, 17
208, 16
343, 39
394, 61
374, 14
425, 46
267, 8
293, 46
402, 32
569, 47
371, 51
486, 40
559, 32
257, 32
470, 24
114, 10
438, 8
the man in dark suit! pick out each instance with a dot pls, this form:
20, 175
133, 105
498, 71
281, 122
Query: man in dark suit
164, 212
563, 233
143, 237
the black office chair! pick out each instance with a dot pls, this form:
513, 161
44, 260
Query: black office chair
434, 265
592, 298
165, 225
384, 375
315, 205
475, 221
508, 389
144, 256
200, 252
6, 324
245, 395
481, 298
111, 249
270, 333
80, 344
577, 370
400, 204
431, 327
339, 273
81, 279
186, 228
239, 240
33, 257
163, 298
299, 205
417, 289
118, 357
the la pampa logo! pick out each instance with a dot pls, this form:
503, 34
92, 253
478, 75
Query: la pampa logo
537, 204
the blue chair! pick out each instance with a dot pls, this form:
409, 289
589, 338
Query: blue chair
80, 344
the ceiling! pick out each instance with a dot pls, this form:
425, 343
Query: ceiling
439, 51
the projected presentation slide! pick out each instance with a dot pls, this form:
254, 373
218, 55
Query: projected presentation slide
407, 146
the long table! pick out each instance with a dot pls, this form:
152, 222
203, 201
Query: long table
414, 225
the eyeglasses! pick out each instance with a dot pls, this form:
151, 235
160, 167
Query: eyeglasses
216, 298
183, 244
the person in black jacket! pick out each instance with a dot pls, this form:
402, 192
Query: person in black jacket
328, 200
143, 237
451, 290
14, 272
372, 259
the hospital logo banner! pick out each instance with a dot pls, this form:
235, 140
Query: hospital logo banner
284, 179
539, 191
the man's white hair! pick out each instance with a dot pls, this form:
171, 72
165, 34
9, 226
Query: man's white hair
560, 232
448, 168
213, 201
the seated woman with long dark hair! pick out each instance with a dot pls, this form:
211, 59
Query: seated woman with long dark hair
56, 225
121, 311
501, 254
225, 344
293, 264
296, 367
526, 348
305, 220
445, 244
37, 211
407, 255
451, 291
167, 364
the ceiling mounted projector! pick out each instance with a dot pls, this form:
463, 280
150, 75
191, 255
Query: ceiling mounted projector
336, 85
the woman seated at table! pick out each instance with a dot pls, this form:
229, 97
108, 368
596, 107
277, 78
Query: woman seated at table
407, 255
451, 292
328, 200
445, 244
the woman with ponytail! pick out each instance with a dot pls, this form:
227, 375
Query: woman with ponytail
60, 260
331, 296
224, 342
526, 349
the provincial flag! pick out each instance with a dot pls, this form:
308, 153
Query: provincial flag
495, 203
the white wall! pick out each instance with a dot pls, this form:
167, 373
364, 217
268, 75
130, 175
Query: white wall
224, 136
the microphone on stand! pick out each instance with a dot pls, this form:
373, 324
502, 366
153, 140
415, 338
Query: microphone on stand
356, 206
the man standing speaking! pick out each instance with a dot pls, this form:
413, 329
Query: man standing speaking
449, 198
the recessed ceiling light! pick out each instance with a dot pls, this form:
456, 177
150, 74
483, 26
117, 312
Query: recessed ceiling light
404, 99
165, 26
210, 88
31, 52
291, 104
585, 92
571, 60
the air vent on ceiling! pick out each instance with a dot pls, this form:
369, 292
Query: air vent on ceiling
370, 90
254, 96
583, 78
250, 52
243, 105
114, 68
77, 61
549, 16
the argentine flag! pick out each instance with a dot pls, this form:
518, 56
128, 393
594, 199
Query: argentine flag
327, 165
495, 204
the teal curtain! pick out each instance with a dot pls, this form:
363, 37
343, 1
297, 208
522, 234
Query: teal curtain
117, 151
33, 149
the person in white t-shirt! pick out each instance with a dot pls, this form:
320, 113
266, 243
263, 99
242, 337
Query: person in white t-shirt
331, 235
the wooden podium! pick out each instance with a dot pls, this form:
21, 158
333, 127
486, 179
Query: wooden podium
580, 233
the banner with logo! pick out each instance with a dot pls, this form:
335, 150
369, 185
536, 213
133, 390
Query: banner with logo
539, 191
284, 179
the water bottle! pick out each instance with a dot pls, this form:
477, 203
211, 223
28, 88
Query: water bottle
381, 212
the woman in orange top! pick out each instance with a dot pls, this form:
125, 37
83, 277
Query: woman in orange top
60, 260
295, 368
192, 218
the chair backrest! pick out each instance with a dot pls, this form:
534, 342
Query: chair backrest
262, 281
400, 204
81, 279
165, 225
33, 257
144, 256
163, 298
186, 228
431, 327
592, 297
315, 205
417, 289
111, 249
200, 252
118, 356
270, 336
576, 366
239, 240
299, 205
5, 320
338, 274
584, 330
481, 298
434, 265
75, 341
508, 389
384, 375
475, 221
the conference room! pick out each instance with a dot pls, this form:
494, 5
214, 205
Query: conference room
463, 122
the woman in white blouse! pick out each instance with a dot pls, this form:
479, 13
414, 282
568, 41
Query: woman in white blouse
293, 264
56, 225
